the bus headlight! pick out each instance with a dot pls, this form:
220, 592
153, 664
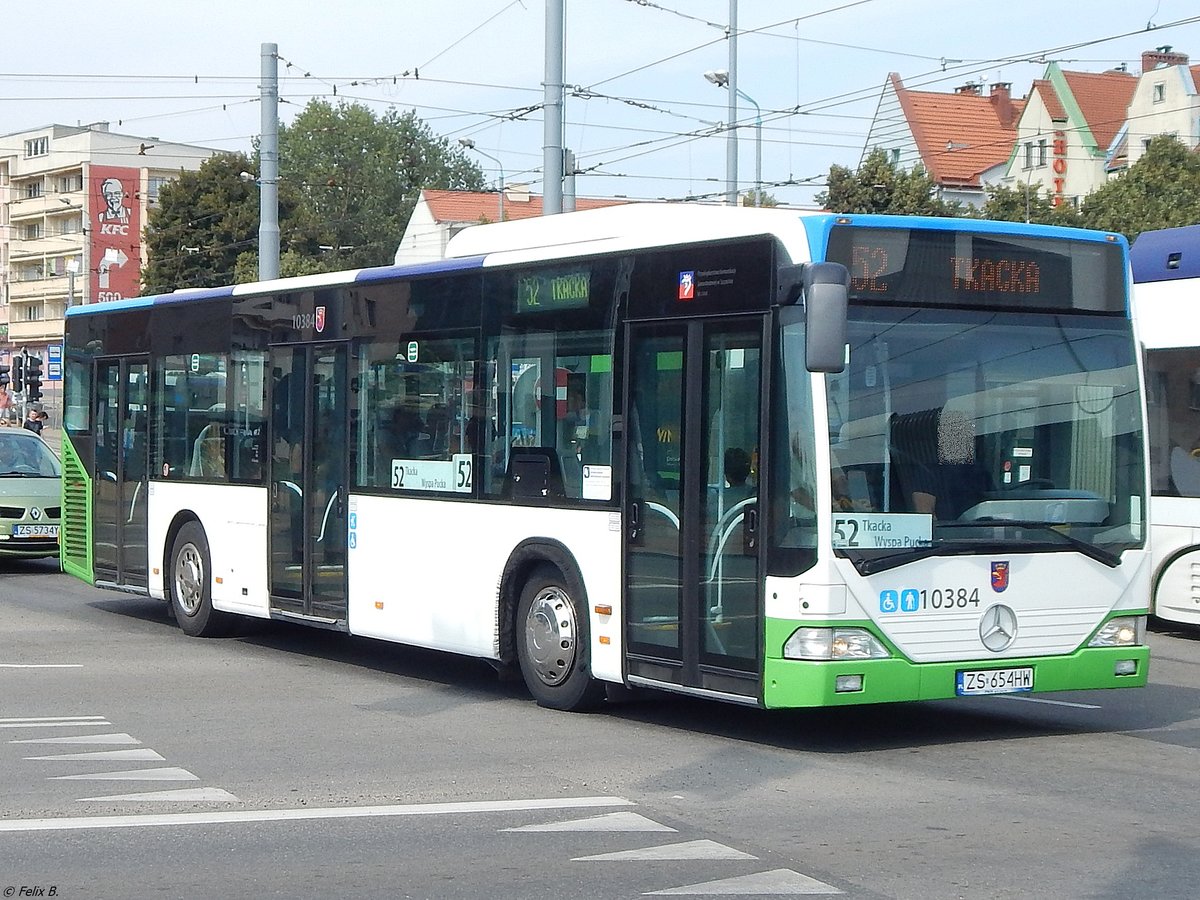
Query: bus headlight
1123, 631
833, 643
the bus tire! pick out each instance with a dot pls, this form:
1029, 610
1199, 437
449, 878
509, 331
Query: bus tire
189, 580
553, 643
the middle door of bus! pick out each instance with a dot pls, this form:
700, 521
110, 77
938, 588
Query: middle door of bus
119, 510
692, 596
308, 482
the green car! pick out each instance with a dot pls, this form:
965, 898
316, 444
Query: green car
30, 495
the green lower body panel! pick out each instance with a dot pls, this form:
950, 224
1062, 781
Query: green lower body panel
789, 683
75, 541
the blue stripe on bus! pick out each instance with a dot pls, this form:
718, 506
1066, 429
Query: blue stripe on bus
330, 279
1152, 252
110, 306
819, 227
386, 273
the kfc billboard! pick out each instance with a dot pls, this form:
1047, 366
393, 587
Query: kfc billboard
115, 231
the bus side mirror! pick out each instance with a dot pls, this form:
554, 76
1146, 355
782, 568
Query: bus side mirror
826, 295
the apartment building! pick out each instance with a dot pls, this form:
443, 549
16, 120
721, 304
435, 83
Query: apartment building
73, 202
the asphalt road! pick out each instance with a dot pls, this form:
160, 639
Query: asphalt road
287, 762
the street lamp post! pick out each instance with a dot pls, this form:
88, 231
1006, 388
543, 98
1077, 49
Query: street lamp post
72, 271
720, 78
470, 145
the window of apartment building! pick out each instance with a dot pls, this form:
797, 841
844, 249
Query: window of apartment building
70, 225
1160, 91
37, 147
895, 156
1145, 144
33, 189
29, 272
31, 231
1029, 154
154, 184
69, 184
1042, 152
33, 312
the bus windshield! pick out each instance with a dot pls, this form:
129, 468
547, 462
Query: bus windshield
957, 431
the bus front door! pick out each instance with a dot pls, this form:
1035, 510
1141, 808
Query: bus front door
120, 483
308, 483
692, 598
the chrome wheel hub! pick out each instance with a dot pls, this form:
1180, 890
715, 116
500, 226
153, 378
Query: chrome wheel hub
189, 578
550, 635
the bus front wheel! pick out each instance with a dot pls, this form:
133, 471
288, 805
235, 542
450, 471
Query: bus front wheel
553, 643
190, 580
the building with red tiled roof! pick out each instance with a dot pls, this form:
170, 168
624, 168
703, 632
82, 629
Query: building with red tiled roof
959, 138
1166, 101
1070, 133
439, 215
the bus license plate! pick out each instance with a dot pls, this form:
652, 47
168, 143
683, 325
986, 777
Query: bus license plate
993, 681
35, 531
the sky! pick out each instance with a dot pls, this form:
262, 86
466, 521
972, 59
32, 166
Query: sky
640, 117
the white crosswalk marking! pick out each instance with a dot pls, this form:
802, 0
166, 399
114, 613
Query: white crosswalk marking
53, 721
184, 795
82, 739
618, 821
142, 754
775, 883
686, 850
167, 773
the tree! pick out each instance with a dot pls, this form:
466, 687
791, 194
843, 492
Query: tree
1027, 203
348, 181
880, 187
203, 221
1160, 190
358, 176
759, 198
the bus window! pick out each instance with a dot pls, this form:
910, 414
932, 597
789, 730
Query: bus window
558, 398
189, 428
418, 411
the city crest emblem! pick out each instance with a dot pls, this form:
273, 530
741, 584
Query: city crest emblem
319, 319
999, 576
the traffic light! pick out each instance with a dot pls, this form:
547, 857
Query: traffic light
33, 379
4, 378
18, 375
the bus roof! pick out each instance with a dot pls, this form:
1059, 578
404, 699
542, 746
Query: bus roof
1166, 255
804, 233
300, 283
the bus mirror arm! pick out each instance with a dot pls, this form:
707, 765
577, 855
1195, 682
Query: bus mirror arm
826, 300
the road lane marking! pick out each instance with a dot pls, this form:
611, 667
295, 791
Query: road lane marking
189, 795
1047, 702
777, 883
53, 721
41, 665
166, 773
686, 850
618, 821
143, 754
238, 817
82, 739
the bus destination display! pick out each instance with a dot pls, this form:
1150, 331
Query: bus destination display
964, 268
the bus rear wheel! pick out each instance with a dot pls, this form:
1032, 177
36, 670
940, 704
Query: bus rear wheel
553, 643
190, 583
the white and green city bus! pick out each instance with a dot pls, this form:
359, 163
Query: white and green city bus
1166, 298
763, 456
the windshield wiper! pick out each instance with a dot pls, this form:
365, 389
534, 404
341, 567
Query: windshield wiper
1088, 549
870, 565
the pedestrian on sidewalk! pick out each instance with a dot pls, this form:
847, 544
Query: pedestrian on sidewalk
35, 420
